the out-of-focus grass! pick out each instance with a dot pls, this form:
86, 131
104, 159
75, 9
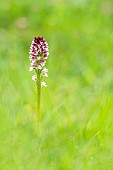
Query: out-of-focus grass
76, 128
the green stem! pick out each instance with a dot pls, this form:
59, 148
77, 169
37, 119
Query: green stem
38, 95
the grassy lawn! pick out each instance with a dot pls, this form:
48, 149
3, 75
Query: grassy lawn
76, 127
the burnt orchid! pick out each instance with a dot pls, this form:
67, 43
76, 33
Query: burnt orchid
38, 55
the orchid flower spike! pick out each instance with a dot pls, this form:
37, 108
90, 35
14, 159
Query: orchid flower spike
38, 55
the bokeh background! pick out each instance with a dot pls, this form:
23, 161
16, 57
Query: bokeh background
76, 127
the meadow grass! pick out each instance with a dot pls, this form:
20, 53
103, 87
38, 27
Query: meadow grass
76, 127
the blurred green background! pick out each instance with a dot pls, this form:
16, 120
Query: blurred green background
76, 128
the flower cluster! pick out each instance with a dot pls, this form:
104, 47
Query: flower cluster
38, 54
